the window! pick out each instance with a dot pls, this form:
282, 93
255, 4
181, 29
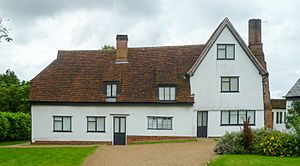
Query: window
167, 93
237, 117
95, 124
229, 84
159, 123
111, 89
225, 52
62, 123
280, 117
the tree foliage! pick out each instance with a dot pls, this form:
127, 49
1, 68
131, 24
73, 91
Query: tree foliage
14, 94
293, 118
108, 48
4, 31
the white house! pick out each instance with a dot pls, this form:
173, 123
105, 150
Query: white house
152, 93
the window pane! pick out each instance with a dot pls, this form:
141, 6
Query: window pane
58, 118
91, 119
221, 54
159, 123
234, 84
280, 119
225, 117
116, 125
169, 121
161, 93
91, 126
154, 123
150, 122
233, 117
204, 114
242, 117
200, 118
172, 89
221, 46
100, 124
114, 90
225, 87
122, 130
167, 93
251, 114
230, 51
165, 123
67, 123
57, 126
277, 117
108, 90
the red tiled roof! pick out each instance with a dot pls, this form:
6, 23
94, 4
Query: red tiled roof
78, 76
278, 103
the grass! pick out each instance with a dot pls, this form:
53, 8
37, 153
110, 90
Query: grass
12, 143
254, 160
44, 156
164, 141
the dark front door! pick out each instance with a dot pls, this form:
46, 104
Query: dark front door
202, 123
119, 130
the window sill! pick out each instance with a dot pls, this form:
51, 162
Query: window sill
159, 129
111, 99
235, 125
95, 131
167, 101
230, 92
225, 59
58, 131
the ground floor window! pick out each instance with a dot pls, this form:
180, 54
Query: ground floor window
280, 117
62, 123
159, 123
95, 124
237, 117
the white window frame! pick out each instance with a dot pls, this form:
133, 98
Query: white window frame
154, 120
167, 93
225, 48
96, 121
63, 129
237, 120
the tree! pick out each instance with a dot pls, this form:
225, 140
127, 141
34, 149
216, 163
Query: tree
293, 118
108, 48
13, 93
4, 31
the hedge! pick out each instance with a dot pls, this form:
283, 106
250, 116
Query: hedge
15, 126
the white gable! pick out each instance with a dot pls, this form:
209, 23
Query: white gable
206, 80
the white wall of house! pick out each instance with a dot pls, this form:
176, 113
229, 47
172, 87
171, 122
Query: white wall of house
206, 81
136, 121
277, 125
216, 130
206, 86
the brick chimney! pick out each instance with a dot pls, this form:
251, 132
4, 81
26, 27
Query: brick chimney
256, 47
122, 49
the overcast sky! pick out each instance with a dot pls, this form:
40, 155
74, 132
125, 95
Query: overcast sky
41, 27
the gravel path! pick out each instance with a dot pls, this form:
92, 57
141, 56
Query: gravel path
188, 153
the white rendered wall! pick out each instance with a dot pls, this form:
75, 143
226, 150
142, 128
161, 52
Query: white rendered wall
183, 123
206, 86
216, 130
206, 81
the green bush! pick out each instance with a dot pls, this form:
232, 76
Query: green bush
15, 126
280, 144
259, 134
230, 143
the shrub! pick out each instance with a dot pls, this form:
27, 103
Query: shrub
230, 143
258, 135
280, 144
247, 135
15, 126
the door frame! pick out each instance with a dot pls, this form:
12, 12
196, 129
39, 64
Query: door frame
202, 120
113, 126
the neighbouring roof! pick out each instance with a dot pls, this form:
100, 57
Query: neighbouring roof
78, 76
278, 103
294, 91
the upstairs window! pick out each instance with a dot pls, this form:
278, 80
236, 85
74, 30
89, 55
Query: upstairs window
111, 89
167, 93
229, 84
225, 52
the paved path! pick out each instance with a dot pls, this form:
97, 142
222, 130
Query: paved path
175, 154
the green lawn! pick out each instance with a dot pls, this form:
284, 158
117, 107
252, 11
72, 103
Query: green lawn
164, 141
255, 160
12, 143
44, 156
